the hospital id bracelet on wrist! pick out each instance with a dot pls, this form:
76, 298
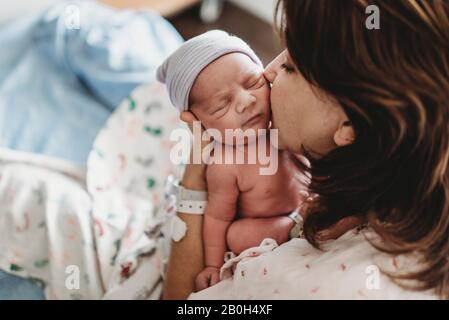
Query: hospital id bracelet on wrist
186, 201
190, 201
190, 207
297, 229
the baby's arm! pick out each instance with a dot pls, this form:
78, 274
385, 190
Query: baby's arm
221, 209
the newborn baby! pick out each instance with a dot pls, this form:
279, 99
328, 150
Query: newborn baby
220, 80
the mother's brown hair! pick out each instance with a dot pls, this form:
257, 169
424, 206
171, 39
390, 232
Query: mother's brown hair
393, 84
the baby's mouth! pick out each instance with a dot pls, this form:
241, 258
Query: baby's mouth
252, 120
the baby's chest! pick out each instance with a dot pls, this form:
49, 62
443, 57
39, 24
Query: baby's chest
252, 182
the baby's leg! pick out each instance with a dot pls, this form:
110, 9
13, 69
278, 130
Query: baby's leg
249, 232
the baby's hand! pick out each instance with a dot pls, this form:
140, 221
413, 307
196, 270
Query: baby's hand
207, 278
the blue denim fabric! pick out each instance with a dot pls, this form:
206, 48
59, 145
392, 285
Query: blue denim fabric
15, 288
58, 85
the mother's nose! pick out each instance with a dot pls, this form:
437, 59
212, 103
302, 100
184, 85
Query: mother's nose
272, 69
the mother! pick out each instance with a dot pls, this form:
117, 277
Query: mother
370, 109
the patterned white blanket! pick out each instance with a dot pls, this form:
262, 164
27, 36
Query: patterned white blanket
95, 233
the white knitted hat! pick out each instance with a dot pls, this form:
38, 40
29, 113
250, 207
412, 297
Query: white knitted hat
182, 67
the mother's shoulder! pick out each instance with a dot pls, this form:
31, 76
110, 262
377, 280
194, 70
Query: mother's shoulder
346, 268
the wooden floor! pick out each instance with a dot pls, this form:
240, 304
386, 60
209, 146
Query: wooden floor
256, 32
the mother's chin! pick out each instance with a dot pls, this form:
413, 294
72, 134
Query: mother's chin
277, 139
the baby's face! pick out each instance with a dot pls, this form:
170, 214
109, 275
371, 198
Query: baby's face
231, 93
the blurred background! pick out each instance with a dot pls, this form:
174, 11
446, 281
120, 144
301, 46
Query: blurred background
251, 20
66, 65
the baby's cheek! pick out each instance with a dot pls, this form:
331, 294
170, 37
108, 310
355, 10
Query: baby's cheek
230, 121
266, 94
263, 98
219, 131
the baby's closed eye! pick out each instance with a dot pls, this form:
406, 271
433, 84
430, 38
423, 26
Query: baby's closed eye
257, 83
220, 110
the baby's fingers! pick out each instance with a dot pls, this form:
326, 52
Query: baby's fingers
215, 278
201, 282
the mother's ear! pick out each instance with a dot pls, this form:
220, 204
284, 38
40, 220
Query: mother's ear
345, 134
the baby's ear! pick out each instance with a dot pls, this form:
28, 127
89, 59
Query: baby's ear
187, 117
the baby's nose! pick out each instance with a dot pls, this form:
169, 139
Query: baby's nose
245, 102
